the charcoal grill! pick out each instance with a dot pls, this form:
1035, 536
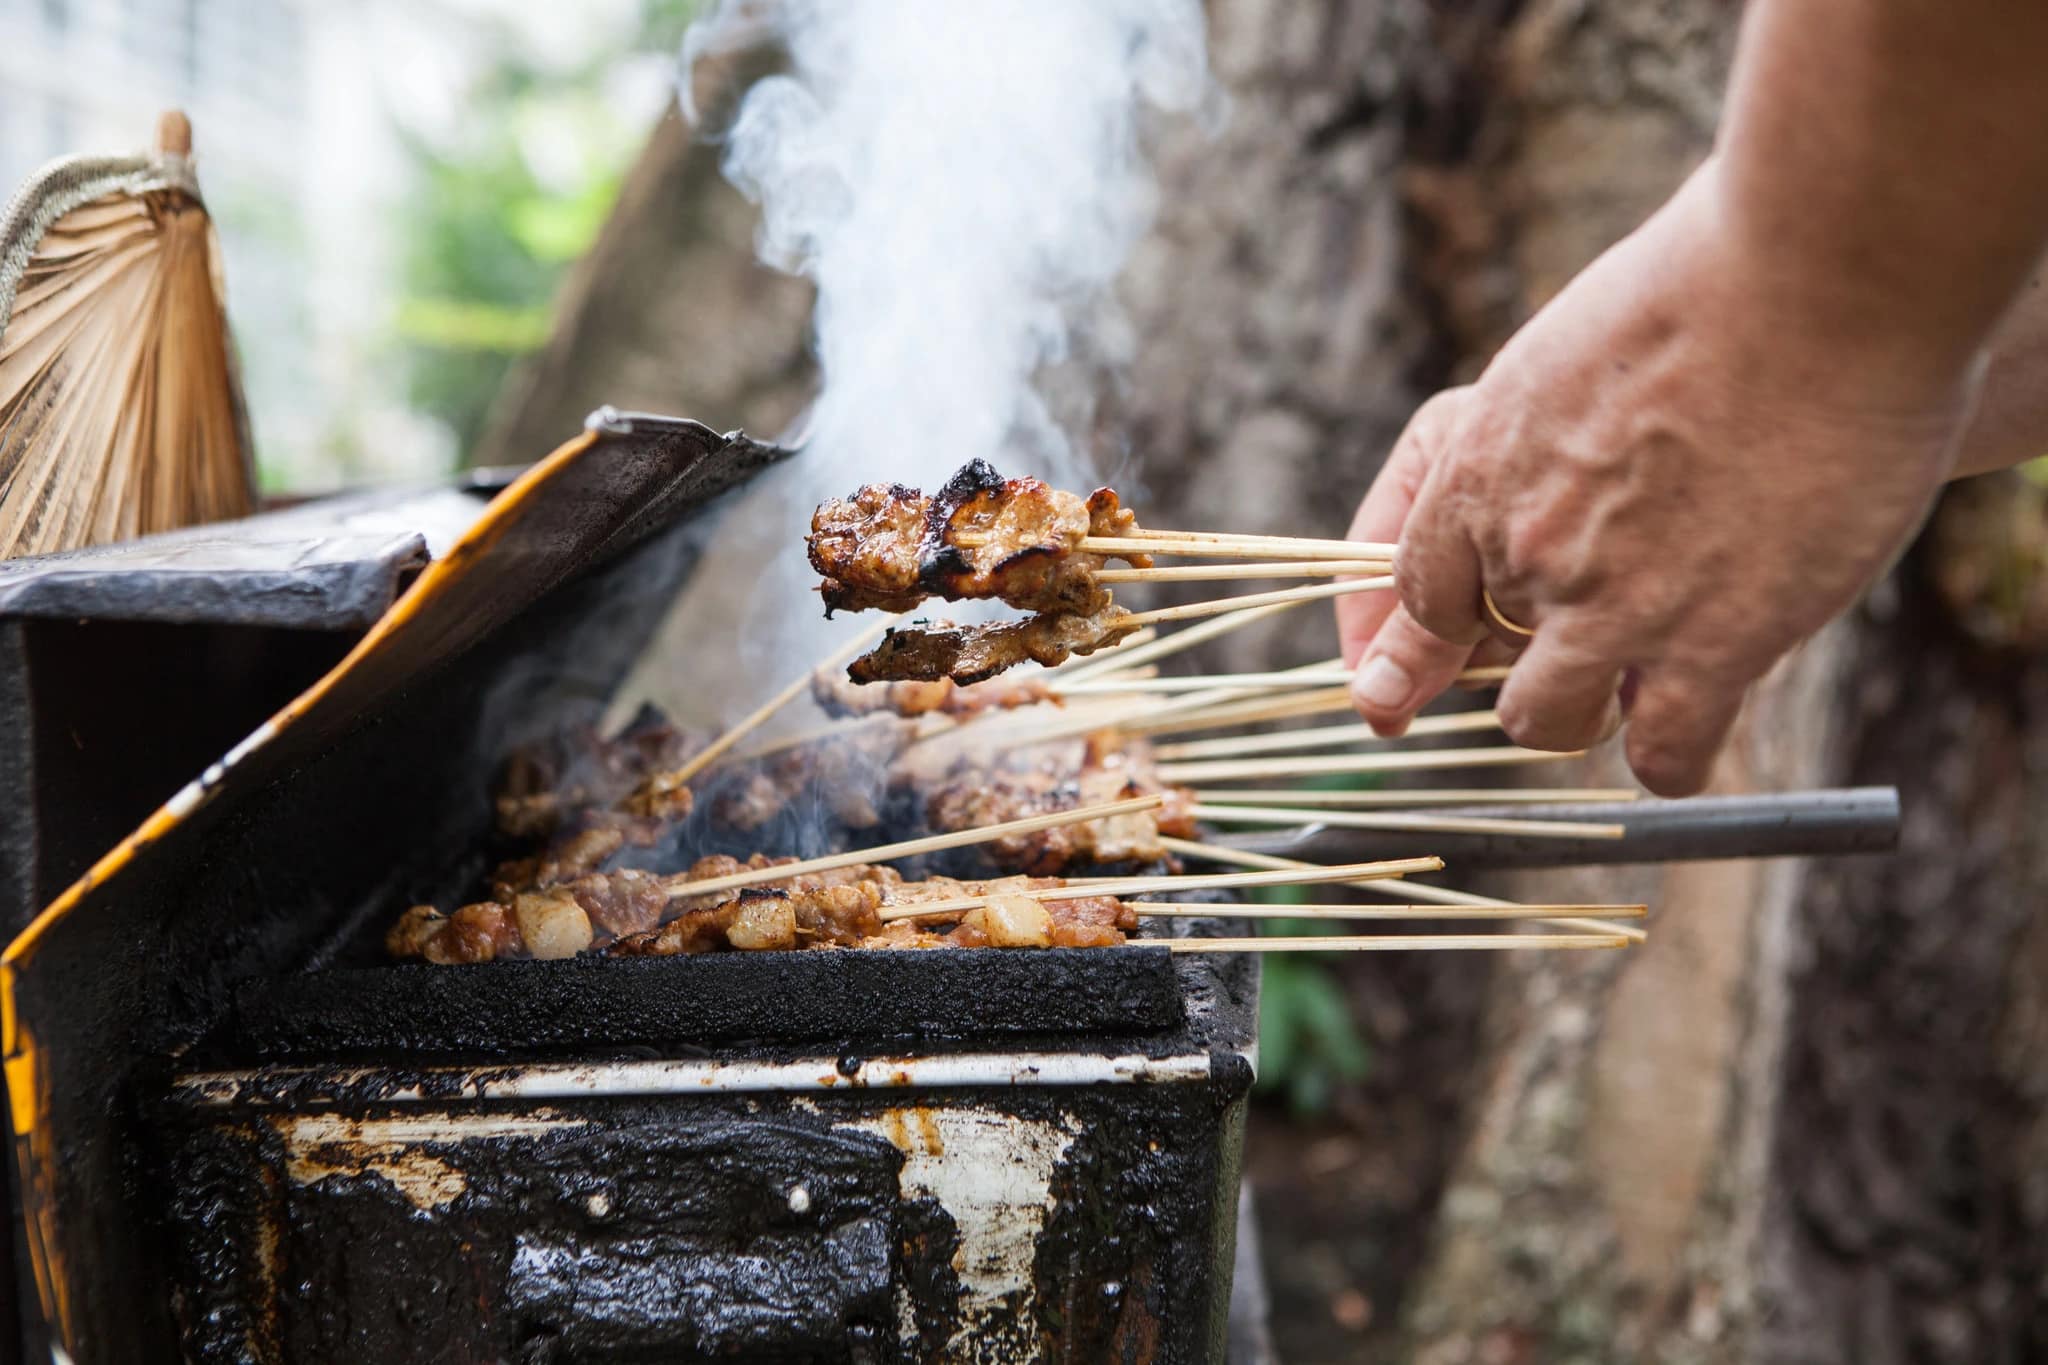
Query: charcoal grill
237, 1139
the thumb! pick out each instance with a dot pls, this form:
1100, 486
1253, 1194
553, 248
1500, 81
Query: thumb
1403, 669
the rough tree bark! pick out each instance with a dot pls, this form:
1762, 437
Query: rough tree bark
1805, 1124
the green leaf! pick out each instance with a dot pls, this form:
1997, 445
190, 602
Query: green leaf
468, 325
1277, 1022
559, 230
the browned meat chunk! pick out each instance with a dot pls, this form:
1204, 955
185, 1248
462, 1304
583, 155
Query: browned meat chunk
697, 931
869, 548
981, 536
839, 697
971, 654
476, 933
564, 860
973, 797
544, 786
628, 901
750, 803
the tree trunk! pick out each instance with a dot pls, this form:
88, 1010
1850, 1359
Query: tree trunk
1804, 1124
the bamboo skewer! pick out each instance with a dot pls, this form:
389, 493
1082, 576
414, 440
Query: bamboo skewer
1104, 662
1421, 796
1339, 911
1214, 545
1327, 675
1285, 568
1442, 895
1387, 943
717, 748
1252, 710
1149, 709
1230, 544
1240, 857
1325, 737
1418, 760
882, 853
1432, 824
1323, 675
1116, 655
1090, 888
1148, 705
1199, 682
1342, 588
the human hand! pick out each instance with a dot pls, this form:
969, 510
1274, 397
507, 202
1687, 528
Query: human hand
1673, 475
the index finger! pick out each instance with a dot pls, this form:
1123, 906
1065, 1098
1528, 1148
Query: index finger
1380, 517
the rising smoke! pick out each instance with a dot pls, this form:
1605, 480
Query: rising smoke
963, 180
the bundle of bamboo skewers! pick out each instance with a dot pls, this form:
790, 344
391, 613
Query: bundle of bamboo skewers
1213, 734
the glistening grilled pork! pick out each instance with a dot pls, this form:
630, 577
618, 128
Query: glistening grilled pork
981, 536
839, 698
970, 654
842, 908
543, 785
973, 797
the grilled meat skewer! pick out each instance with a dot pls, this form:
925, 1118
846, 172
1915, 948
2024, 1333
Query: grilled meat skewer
889, 548
973, 654
834, 909
839, 698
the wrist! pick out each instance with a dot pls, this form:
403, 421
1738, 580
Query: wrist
1866, 332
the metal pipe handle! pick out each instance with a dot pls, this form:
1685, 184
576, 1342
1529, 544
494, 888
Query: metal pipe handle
1826, 823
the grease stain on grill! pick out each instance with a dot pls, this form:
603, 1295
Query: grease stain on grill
991, 1173
321, 1145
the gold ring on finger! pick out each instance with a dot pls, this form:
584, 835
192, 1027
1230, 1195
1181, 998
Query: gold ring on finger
1500, 618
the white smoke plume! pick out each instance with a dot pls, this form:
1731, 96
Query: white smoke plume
963, 180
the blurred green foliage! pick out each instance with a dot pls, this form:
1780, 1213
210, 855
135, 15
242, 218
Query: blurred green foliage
487, 240
1309, 1041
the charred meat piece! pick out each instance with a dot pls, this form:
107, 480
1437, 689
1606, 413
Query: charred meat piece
545, 786
483, 932
981, 536
628, 901
843, 774
972, 654
1009, 920
838, 697
975, 796
842, 908
568, 857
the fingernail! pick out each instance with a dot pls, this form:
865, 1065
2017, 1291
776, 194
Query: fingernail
1382, 684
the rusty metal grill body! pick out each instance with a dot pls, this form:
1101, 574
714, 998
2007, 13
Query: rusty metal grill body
1038, 1198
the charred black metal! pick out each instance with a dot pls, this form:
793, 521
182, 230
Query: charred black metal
368, 802
531, 1009
763, 1230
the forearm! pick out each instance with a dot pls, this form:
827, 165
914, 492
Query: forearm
1885, 177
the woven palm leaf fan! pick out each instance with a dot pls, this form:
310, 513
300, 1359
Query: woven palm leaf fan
120, 408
